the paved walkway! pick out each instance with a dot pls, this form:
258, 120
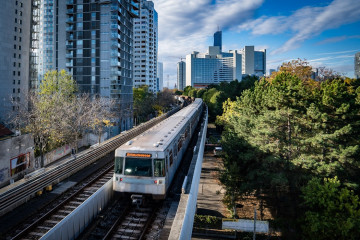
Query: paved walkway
210, 194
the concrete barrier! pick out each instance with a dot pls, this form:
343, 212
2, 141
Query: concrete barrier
73, 224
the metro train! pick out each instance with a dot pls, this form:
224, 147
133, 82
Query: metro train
145, 166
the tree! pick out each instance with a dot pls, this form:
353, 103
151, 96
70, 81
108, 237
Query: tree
143, 103
57, 115
332, 211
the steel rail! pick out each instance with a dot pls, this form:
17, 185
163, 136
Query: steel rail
99, 176
20, 194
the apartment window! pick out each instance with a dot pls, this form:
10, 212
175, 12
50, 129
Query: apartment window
21, 4
15, 11
19, 73
18, 82
19, 64
14, 81
15, 20
19, 47
20, 39
20, 21
14, 73
13, 90
14, 55
14, 64
15, 29
16, 3
20, 13
14, 38
20, 30
18, 90
19, 56
15, 46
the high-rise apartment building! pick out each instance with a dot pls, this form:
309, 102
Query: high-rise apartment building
160, 75
181, 75
15, 25
146, 47
357, 65
218, 39
93, 41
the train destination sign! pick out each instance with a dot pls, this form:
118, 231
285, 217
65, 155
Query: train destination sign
142, 155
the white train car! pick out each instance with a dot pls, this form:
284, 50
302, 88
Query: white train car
146, 165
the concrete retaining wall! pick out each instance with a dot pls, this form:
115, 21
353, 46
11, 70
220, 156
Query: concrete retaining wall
72, 225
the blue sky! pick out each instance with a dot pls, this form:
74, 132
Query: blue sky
326, 33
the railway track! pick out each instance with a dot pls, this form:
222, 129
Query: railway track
22, 193
40, 226
133, 224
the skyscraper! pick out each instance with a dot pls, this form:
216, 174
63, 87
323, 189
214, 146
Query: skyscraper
218, 39
357, 65
146, 47
15, 24
181, 75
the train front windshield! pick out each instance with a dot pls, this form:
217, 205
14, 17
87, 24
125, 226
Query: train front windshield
138, 167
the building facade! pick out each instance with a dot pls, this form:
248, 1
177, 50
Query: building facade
213, 67
15, 25
357, 65
181, 75
160, 75
146, 47
254, 62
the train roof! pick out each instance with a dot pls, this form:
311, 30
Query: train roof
161, 135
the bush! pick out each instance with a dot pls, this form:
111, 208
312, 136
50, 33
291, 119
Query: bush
206, 221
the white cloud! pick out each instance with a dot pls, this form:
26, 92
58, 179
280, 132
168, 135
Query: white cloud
306, 22
186, 25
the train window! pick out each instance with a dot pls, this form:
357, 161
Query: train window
119, 165
138, 167
180, 145
159, 167
175, 151
171, 158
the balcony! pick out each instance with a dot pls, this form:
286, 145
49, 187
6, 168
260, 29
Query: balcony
70, 11
70, 29
135, 5
69, 46
70, 20
70, 2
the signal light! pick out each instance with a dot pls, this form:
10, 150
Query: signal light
155, 181
121, 179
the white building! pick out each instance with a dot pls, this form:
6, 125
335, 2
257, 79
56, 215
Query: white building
254, 62
213, 67
160, 75
181, 75
146, 47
